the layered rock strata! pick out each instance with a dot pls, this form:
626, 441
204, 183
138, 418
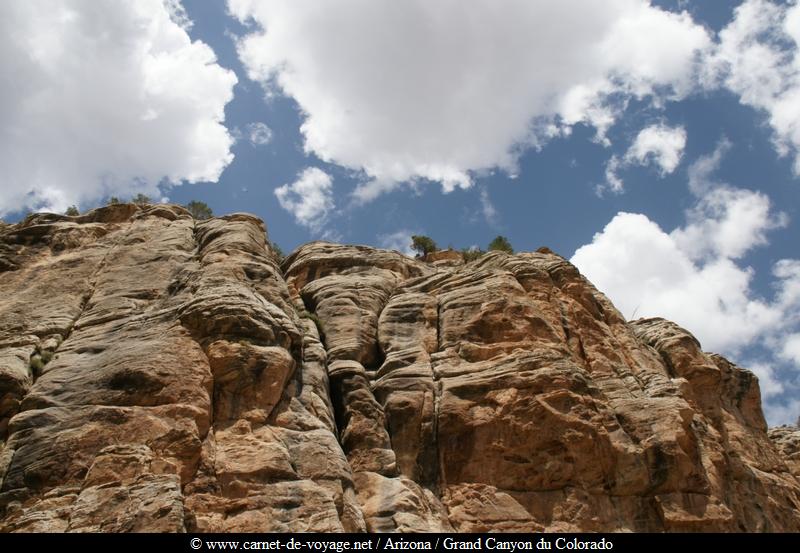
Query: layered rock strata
159, 373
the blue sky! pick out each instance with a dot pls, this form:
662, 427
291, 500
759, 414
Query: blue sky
654, 144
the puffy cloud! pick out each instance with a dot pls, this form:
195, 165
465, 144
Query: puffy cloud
727, 222
259, 133
659, 145
309, 199
414, 90
646, 273
427, 90
768, 381
791, 349
758, 58
103, 98
691, 276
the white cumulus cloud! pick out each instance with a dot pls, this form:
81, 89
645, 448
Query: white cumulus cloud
103, 98
758, 58
309, 199
692, 275
791, 349
646, 273
727, 222
429, 90
768, 381
659, 145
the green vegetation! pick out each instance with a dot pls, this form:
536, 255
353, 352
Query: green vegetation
276, 249
423, 245
311, 316
42, 357
471, 254
72, 211
37, 364
113, 200
141, 199
199, 210
501, 244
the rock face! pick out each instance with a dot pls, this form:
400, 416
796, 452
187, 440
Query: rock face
159, 373
787, 438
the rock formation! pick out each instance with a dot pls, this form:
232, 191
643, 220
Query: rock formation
787, 438
159, 373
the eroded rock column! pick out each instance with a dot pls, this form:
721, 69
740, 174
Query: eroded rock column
348, 289
270, 461
112, 425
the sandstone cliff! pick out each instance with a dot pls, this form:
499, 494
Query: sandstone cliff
159, 373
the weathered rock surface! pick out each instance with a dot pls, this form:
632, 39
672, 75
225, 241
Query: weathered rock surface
787, 438
159, 373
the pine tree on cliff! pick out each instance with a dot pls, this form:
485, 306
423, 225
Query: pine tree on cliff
141, 199
501, 243
199, 210
423, 245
